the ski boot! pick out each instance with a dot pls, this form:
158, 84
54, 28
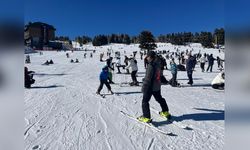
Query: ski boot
165, 114
144, 119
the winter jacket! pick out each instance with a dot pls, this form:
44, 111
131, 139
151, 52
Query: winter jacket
203, 59
104, 75
152, 80
133, 65
189, 64
173, 68
218, 79
211, 60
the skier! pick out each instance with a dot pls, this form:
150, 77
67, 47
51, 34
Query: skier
134, 68
219, 81
104, 80
110, 68
28, 78
91, 55
202, 62
152, 86
72, 61
163, 64
77, 61
67, 55
189, 68
173, 69
126, 60
210, 62
219, 62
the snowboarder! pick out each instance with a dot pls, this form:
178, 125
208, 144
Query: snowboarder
28, 78
174, 73
152, 86
134, 68
202, 62
104, 80
72, 61
219, 81
210, 62
189, 68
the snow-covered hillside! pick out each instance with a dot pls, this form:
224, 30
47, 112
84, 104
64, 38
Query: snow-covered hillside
62, 111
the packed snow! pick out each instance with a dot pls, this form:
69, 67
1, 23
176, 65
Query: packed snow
63, 112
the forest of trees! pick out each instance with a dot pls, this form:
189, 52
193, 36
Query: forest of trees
207, 39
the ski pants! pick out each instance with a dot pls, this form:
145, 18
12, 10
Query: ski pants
190, 76
173, 81
101, 85
158, 98
133, 76
210, 66
203, 67
218, 86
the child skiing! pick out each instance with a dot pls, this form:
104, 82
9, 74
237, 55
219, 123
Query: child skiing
104, 80
134, 68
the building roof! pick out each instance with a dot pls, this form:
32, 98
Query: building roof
38, 24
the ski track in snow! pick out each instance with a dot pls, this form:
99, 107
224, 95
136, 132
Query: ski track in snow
64, 113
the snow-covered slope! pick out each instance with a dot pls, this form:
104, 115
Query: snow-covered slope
62, 111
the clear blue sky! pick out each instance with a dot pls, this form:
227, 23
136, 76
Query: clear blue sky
91, 17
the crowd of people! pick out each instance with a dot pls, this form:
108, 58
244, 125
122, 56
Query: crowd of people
154, 64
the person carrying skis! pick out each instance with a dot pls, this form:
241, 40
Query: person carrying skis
104, 80
134, 68
152, 86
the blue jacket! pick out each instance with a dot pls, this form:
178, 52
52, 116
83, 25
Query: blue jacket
104, 75
173, 68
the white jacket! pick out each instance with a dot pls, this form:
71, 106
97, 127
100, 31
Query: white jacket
218, 79
203, 59
133, 65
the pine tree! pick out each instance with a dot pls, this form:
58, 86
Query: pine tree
147, 41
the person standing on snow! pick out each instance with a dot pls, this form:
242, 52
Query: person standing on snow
211, 60
152, 86
202, 62
189, 68
110, 68
134, 68
173, 69
104, 80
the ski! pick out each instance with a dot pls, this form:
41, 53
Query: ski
175, 123
102, 95
150, 125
